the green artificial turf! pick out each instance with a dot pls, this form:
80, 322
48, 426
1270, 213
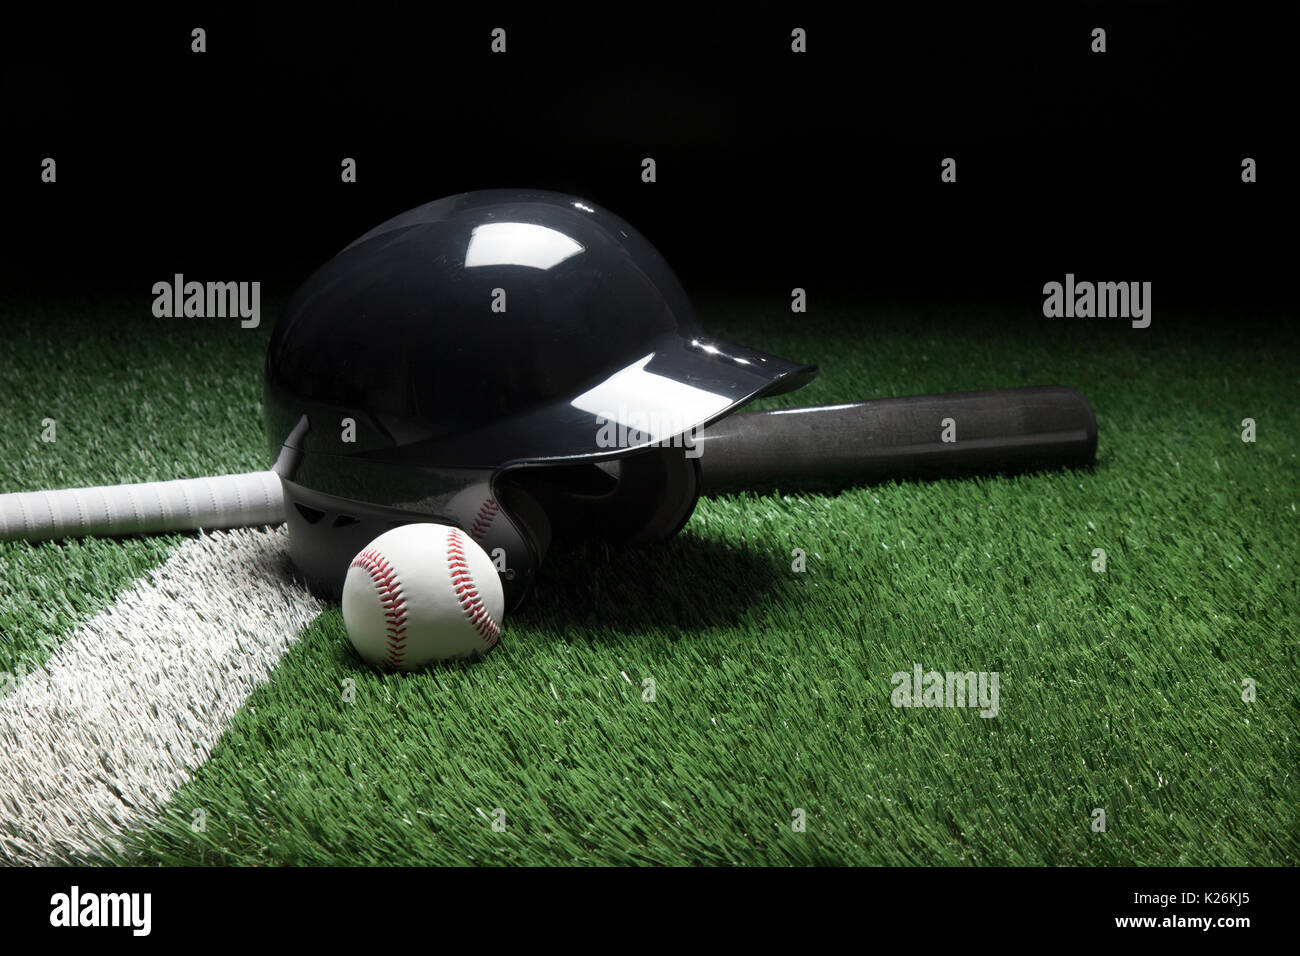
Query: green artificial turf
1119, 690
133, 399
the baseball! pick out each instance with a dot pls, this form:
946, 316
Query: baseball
422, 593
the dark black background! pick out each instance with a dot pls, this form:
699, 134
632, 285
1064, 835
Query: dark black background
775, 170
329, 909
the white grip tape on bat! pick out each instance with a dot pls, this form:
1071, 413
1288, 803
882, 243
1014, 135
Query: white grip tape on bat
229, 501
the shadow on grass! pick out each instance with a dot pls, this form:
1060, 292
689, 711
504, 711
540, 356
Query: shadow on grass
685, 584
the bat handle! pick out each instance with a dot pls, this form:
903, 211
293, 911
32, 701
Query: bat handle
229, 501
930, 436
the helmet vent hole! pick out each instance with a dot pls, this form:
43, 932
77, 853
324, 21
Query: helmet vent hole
311, 514
342, 521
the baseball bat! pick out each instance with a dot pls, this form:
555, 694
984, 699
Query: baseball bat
921, 436
186, 504
961, 433
183, 504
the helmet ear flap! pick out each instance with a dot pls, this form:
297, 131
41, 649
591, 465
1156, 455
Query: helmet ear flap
654, 497
528, 515
509, 525
642, 498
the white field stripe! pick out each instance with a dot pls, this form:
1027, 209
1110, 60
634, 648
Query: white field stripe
95, 743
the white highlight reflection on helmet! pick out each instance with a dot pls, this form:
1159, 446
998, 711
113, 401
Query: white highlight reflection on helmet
656, 405
518, 244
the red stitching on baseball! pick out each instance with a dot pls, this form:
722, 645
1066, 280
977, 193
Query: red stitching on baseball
384, 577
463, 584
483, 520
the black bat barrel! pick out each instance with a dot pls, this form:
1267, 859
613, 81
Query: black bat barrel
920, 436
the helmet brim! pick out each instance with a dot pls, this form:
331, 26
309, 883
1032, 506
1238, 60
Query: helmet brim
681, 385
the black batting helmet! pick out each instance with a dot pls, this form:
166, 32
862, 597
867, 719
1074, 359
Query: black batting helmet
513, 362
